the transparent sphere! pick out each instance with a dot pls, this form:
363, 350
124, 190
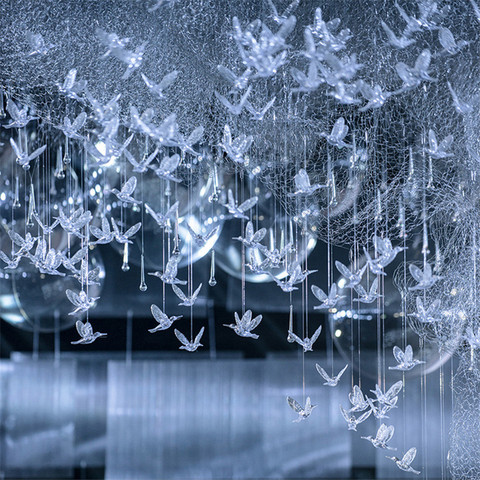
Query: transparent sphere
357, 325
30, 298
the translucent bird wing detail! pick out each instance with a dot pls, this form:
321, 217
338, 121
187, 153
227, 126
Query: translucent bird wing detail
79, 122
179, 293
343, 269
339, 130
168, 79
318, 293
73, 297
197, 291
432, 140
398, 354
181, 337
79, 327
416, 273
409, 456
133, 230
341, 372
322, 372
408, 353
294, 405
317, 333
169, 164
394, 390
255, 322
158, 315
302, 182
199, 336
248, 204
17, 151
129, 186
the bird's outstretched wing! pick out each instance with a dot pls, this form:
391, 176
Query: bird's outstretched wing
294, 405
179, 293
409, 456
316, 334
322, 372
181, 337
199, 336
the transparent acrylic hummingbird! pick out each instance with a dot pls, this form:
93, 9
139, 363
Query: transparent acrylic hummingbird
352, 421
425, 279
124, 237
309, 81
163, 219
37, 43
19, 116
163, 320
405, 463
126, 192
252, 238
189, 346
238, 211
388, 397
159, 88
169, 276
238, 82
167, 167
199, 239
86, 275
186, 301
354, 278
303, 412
234, 109
375, 267
80, 301
370, 296
70, 129
70, 262
24, 158
396, 41
358, 400
235, 148
133, 59
386, 251
258, 114
11, 263
85, 331
405, 360
414, 76
104, 235
330, 381
244, 326
111, 41
380, 411
25, 244
383, 436
430, 314
328, 301
448, 42
462, 107
303, 186
337, 135
439, 150
306, 343
73, 223
70, 87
